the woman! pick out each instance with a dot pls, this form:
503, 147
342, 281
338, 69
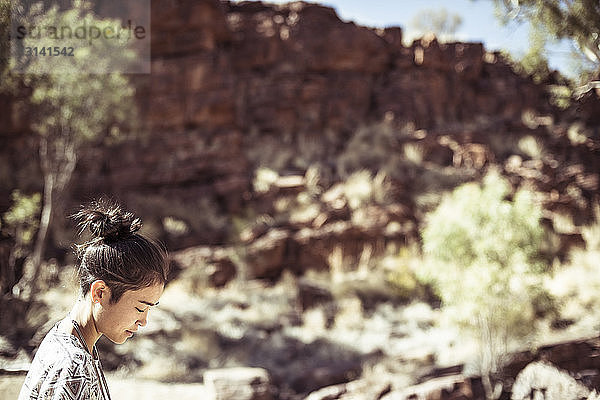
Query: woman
122, 275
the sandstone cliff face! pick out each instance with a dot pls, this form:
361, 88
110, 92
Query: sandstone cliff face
232, 81
235, 86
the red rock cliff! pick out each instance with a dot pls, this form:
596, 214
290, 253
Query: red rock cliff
230, 79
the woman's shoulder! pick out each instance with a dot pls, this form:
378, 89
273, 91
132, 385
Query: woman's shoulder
60, 364
61, 349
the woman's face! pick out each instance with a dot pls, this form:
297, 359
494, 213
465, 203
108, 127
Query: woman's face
118, 321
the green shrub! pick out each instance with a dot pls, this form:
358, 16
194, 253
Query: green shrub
22, 220
479, 225
21, 223
483, 254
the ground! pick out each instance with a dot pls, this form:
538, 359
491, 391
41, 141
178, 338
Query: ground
10, 385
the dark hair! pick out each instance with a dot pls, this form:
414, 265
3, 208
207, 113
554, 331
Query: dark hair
117, 254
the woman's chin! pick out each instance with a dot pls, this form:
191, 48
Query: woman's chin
120, 340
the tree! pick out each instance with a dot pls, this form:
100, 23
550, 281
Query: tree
483, 256
535, 62
69, 107
437, 21
575, 20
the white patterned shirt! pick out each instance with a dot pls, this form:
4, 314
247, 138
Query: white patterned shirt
63, 369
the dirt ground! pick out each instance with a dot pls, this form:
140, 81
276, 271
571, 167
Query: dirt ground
10, 385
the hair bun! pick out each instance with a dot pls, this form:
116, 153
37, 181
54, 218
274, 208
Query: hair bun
107, 221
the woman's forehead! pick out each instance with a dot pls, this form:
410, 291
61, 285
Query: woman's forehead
148, 295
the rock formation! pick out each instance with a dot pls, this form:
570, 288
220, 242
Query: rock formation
240, 85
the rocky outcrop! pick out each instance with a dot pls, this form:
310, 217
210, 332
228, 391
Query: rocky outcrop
239, 85
578, 357
560, 371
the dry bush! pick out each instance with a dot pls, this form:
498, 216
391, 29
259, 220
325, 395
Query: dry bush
379, 148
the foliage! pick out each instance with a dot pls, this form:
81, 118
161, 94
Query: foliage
560, 96
4, 44
7, 81
478, 224
20, 222
575, 20
69, 102
22, 217
483, 256
73, 101
535, 62
437, 21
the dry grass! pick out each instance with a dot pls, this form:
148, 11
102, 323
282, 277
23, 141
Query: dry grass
189, 333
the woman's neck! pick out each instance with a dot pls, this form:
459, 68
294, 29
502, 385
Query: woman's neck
82, 314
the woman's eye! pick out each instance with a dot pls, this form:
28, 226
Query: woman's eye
139, 310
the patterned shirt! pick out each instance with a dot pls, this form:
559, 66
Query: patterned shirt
63, 369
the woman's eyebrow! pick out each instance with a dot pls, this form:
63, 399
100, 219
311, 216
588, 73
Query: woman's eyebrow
148, 303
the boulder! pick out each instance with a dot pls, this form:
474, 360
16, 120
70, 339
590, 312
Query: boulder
360, 389
541, 378
238, 384
215, 262
327, 374
455, 387
312, 294
265, 257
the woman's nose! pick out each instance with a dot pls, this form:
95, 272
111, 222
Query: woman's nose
143, 320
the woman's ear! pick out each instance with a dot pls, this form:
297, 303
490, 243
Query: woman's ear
100, 292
